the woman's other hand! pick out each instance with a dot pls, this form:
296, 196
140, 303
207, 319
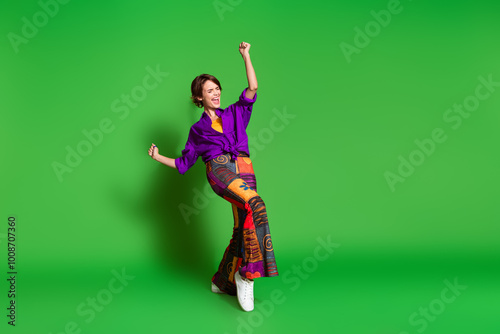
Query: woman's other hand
153, 151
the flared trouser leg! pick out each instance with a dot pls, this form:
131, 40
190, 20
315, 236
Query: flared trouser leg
250, 249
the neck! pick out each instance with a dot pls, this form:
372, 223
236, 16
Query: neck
211, 113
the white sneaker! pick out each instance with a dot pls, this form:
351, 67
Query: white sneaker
215, 289
244, 290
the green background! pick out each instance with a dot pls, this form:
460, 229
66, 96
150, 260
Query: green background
321, 173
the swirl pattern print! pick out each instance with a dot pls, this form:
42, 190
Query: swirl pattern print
250, 249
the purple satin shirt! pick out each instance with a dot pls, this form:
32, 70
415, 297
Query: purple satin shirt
208, 143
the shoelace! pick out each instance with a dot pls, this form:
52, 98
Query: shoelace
246, 285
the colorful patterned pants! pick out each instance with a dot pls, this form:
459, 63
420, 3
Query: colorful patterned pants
250, 249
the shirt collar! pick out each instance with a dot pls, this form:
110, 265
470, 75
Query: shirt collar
206, 118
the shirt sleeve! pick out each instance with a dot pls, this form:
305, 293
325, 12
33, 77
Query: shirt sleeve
244, 106
188, 157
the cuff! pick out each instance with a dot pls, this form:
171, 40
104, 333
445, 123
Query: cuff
179, 166
245, 99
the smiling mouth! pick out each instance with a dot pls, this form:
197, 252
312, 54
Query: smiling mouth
215, 100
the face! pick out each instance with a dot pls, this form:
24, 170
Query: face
211, 95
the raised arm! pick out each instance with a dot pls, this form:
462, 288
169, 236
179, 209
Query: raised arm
153, 153
252, 79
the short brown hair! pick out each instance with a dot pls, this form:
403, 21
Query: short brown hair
197, 87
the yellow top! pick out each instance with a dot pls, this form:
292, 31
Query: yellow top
217, 124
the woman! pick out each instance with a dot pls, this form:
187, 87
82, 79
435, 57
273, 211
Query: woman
220, 138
